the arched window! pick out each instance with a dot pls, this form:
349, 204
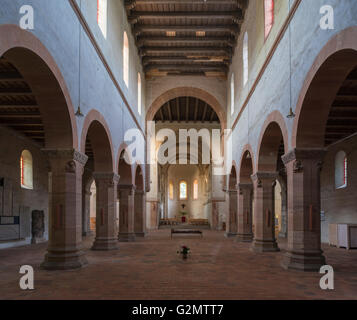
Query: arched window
26, 171
232, 94
268, 16
102, 14
195, 189
126, 59
171, 191
245, 59
341, 164
139, 93
183, 190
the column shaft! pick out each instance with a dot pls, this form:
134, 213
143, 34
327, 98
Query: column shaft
126, 213
245, 219
304, 207
106, 229
65, 221
231, 220
264, 217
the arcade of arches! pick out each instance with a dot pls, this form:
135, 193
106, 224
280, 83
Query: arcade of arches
272, 213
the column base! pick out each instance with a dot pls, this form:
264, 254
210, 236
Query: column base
264, 246
304, 261
126, 237
105, 244
140, 234
244, 237
230, 234
57, 259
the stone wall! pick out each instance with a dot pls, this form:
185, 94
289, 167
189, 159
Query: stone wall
339, 205
23, 201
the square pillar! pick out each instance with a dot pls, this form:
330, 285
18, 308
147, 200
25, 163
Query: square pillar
106, 230
245, 233
231, 218
264, 217
126, 213
304, 208
140, 214
65, 221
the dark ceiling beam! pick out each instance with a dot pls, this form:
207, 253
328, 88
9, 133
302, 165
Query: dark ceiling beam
18, 106
236, 16
20, 115
161, 115
131, 4
10, 77
211, 116
206, 51
188, 67
187, 104
204, 113
226, 40
178, 110
196, 110
15, 93
182, 59
138, 29
170, 112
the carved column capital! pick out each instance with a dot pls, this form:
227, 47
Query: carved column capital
110, 178
260, 177
303, 154
298, 156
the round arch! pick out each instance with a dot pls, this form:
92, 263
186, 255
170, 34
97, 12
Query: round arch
125, 170
96, 129
273, 131
139, 177
247, 164
330, 68
192, 92
27, 53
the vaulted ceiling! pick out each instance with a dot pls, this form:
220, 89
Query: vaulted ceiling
186, 37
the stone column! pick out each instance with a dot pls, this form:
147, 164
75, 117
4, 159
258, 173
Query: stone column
140, 214
245, 233
65, 222
106, 230
126, 213
231, 218
304, 209
284, 212
264, 218
215, 218
86, 213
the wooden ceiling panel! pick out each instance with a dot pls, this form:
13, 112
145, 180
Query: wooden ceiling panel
18, 107
204, 31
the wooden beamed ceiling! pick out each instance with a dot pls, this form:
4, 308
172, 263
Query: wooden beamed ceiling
342, 120
186, 37
18, 107
186, 109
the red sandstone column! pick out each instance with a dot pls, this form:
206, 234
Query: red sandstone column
86, 212
245, 233
65, 222
126, 213
304, 207
140, 214
106, 184
231, 220
264, 219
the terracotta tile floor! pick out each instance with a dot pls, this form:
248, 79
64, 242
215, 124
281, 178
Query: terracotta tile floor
150, 268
